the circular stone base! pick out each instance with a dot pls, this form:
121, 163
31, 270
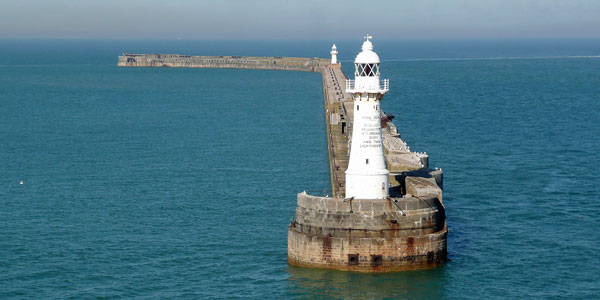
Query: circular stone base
366, 254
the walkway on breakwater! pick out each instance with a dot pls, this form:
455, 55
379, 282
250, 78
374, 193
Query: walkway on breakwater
401, 162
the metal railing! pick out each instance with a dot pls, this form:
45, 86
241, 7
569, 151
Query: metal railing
384, 86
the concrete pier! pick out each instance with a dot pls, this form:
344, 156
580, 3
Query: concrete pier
220, 62
405, 231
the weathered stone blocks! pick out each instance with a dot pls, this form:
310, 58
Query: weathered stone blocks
368, 235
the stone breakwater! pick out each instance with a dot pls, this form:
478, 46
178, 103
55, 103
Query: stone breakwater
405, 231
218, 62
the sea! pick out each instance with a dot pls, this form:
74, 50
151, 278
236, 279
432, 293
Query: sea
169, 183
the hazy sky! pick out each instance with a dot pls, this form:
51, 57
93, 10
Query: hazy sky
307, 19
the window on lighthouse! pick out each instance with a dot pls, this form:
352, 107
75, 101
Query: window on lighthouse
368, 70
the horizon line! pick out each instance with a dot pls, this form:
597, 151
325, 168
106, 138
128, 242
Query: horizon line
301, 40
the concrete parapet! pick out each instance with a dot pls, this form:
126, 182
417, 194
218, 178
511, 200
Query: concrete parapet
394, 144
372, 207
405, 162
422, 187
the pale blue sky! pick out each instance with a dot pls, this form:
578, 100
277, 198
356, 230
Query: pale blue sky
307, 19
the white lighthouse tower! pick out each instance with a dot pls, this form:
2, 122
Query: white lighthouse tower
334, 54
367, 176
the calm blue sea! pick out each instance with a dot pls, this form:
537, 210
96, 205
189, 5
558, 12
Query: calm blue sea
154, 183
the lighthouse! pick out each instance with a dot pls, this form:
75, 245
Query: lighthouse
373, 227
367, 176
334, 54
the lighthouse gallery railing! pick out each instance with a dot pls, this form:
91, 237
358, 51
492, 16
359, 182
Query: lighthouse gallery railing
384, 86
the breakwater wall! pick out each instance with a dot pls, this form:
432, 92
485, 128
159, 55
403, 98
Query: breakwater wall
405, 231
220, 62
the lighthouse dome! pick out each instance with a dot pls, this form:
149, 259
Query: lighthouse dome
367, 55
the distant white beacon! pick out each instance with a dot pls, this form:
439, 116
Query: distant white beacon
334, 54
